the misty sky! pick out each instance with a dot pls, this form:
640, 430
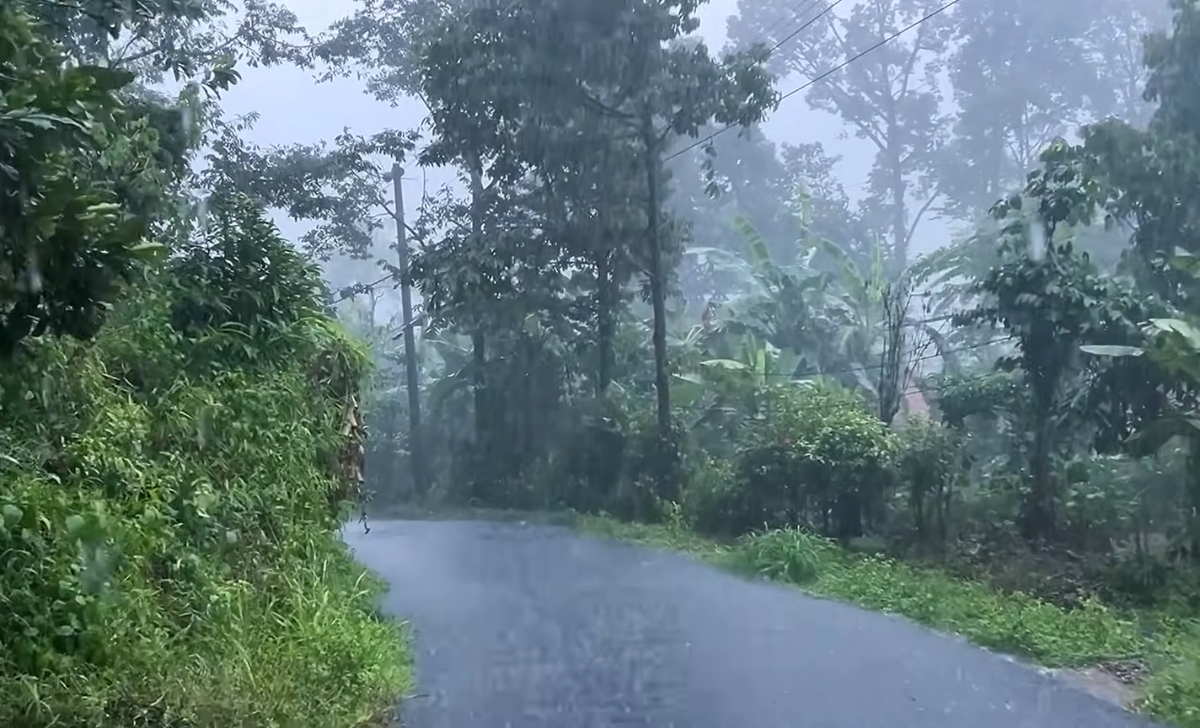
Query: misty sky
294, 108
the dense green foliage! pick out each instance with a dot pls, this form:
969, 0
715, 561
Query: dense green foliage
178, 448
533, 334
625, 310
81, 175
170, 521
629, 311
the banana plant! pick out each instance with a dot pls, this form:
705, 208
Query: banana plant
783, 304
721, 393
825, 306
759, 361
446, 359
858, 312
1174, 346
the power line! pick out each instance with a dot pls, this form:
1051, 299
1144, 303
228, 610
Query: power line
805, 26
359, 287
959, 350
826, 74
786, 20
770, 51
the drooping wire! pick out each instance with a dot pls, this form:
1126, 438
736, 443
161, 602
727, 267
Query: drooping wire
804, 26
817, 79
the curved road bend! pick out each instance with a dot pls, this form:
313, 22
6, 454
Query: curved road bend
535, 626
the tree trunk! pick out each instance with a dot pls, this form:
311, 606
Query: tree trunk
478, 381
658, 284
478, 337
605, 320
892, 380
899, 257
1193, 500
1038, 517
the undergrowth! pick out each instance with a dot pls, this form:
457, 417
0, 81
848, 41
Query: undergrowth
169, 549
1051, 635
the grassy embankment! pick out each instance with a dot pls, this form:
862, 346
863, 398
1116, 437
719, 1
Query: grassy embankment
169, 549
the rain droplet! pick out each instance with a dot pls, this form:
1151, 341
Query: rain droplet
33, 276
1037, 240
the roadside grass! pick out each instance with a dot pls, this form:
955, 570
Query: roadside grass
1018, 624
304, 646
321, 656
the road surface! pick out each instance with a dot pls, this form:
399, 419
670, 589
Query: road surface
535, 626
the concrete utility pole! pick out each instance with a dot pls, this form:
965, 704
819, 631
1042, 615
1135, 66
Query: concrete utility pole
416, 456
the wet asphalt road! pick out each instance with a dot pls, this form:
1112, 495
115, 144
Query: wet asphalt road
532, 626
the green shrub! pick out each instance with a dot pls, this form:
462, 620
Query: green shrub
817, 457
170, 526
929, 466
77, 185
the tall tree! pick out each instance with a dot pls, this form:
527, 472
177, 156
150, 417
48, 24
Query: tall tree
503, 77
1021, 77
197, 41
485, 264
664, 87
1025, 73
1051, 299
890, 96
1114, 41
